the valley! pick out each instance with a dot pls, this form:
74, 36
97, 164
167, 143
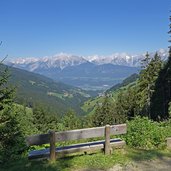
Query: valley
88, 73
90, 106
33, 89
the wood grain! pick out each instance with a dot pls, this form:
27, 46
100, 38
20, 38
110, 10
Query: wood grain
76, 134
52, 145
107, 140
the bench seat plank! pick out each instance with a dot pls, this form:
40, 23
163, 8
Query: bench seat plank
90, 146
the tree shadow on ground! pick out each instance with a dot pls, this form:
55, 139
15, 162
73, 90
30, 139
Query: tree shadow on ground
93, 161
61, 164
149, 160
38, 165
142, 154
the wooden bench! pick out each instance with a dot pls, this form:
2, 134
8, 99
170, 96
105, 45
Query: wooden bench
53, 137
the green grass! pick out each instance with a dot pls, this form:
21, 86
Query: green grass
90, 161
55, 95
141, 154
90, 105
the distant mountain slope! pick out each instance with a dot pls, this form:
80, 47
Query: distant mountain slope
35, 89
91, 104
125, 82
90, 73
90, 76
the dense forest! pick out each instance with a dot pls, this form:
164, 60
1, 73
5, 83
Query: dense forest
143, 99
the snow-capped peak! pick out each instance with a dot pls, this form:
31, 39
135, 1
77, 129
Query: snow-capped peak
24, 60
63, 60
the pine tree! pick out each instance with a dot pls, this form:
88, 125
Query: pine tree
71, 121
146, 84
170, 36
11, 139
162, 94
126, 104
6, 93
145, 61
103, 114
43, 120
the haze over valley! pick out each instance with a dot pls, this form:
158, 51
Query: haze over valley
89, 73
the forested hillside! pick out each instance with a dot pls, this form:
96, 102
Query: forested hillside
146, 94
132, 99
34, 89
125, 82
18, 121
93, 103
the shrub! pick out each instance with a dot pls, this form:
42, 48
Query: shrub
11, 137
147, 134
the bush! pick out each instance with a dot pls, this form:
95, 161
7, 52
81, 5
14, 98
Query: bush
11, 138
147, 134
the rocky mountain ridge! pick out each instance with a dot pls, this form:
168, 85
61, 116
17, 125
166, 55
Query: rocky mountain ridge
64, 60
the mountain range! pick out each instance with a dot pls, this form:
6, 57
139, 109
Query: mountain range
92, 72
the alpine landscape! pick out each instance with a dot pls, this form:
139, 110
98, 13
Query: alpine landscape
85, 85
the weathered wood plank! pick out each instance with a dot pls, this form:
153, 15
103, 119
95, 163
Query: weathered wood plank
118, 129
168, 141
89, 133
37, 139
83, 147
80, 134
52, 145
76, 134
119, 144
107, 140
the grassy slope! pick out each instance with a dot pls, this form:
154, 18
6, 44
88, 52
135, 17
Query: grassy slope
90, 105
124, 83
36, 89
89, 162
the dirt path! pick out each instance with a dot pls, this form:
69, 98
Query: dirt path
162, 164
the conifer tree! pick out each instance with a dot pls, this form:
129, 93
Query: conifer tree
146, 85
162, 94
103, 114
11, 139
145, 61
43, 120
71, 121
6, 93
126, 104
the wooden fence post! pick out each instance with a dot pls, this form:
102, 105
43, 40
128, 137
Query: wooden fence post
107, 140
52, 145
168, 143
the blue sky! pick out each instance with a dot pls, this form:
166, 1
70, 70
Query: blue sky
83, 27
